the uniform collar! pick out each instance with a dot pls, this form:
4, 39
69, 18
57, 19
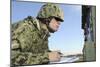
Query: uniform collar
44, 28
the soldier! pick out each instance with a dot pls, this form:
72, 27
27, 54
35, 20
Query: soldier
30, 37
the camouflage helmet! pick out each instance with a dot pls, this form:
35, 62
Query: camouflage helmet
51, 10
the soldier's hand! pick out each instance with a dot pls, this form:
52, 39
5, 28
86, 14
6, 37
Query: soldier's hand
54, 56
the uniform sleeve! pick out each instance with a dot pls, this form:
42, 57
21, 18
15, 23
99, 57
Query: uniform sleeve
27, 46
27, 58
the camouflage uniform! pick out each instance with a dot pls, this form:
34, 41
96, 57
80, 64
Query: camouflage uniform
30, 39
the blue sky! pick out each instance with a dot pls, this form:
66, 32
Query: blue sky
69, 37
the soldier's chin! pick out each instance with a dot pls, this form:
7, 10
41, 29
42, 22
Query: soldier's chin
52, 30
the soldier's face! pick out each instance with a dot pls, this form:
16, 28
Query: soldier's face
54, 25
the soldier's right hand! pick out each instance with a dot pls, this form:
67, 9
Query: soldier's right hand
54, 56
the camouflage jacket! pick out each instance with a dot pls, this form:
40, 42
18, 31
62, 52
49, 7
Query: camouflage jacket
29, 42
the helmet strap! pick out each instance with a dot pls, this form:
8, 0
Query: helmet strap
47, 21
